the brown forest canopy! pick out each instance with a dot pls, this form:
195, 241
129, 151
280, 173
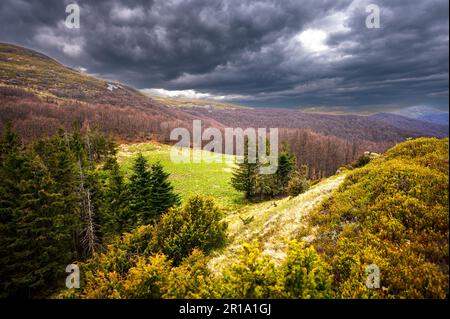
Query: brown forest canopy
39, 95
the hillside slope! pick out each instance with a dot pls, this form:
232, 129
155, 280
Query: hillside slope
392, 213
40, 95
410, 124
273, 223
367, 128
189, 103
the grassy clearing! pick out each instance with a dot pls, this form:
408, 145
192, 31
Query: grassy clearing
211, 179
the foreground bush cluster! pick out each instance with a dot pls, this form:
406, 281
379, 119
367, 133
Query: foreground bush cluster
130, 270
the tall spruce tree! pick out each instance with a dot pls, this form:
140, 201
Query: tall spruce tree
286, 168
245, 174
62, 166
115, 213
140, 192
163, 197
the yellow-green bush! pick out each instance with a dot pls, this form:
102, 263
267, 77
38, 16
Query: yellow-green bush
393, 213
191, 279
197, 224
302, 275
253, 275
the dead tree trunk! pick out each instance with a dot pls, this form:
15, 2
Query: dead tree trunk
89, 239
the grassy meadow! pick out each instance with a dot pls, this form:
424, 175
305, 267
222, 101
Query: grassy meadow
211, 179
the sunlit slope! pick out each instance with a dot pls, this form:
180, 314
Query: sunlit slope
197, 103
392, 213
273, 223
40, 74
188, 178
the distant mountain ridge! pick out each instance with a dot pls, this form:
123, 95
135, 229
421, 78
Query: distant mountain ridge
425, 113
412, 124
378, 127
40, 95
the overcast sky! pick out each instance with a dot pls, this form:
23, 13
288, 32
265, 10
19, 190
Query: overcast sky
296, 53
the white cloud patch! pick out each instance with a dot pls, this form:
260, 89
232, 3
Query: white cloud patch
71, 46
313, 40
187, 94
124, 14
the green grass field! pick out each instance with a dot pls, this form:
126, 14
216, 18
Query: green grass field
211, 179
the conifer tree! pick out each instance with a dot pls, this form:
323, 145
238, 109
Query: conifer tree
140, 192
245, 174
61, 163
88, 192
163, 197
35, 242
115, 212
286, 167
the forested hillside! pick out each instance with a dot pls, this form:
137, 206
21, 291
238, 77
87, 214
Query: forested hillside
40, 95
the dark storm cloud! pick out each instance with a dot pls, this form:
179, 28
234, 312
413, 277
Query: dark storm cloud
306, 53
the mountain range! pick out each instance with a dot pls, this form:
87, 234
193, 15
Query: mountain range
39, 95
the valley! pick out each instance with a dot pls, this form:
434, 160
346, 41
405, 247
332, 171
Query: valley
87, 178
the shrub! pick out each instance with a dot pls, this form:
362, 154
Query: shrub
304, 274
253, 275
197, 224
363, 160
191, 279
298, 185
148, 278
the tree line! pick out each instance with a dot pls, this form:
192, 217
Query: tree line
63, 198
287, 179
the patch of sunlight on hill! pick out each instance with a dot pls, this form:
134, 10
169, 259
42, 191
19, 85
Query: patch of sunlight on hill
211, 179
197, 103
274, 222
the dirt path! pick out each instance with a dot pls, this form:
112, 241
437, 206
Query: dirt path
273, 223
